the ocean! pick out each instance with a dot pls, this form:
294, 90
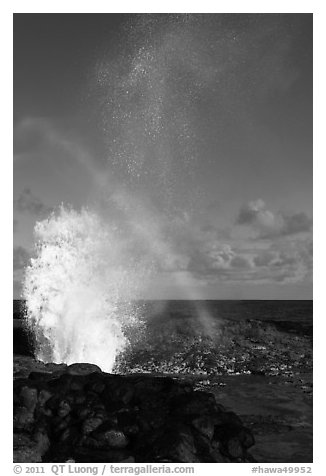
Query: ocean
212, 337
299, 311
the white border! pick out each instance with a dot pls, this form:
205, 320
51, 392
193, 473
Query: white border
95, 6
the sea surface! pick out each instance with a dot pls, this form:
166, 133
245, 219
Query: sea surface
299, 311
291, 311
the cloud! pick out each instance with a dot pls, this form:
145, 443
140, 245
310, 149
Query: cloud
28, 202
264, 259
285, 260
250, 211
241, 262
20, 258
213, 258
296, 223
269, 224
288, 260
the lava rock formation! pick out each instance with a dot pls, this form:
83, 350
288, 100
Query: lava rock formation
78, 413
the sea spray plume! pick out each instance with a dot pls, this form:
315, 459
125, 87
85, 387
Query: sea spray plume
166, 252
74, 288
149, 90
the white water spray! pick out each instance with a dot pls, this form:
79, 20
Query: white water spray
74, 289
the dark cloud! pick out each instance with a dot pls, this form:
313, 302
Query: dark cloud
299, 222
240, 262
264, 259
20, 258
269, 224
15, 225
28, 202
249, 212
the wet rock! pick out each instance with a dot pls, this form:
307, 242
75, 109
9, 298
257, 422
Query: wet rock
77, 384
40, 376
28, 396
25, 449
82, 369
130, 459
90, 424
64, 409
43, 397
26, 401
79, 398
42, 439
205, 426
60, 425
87, 415
247, 438
195, 403
215, 453
118, 393
66, 435
85, 454
92, 442
46, 412
127, 420
56, 368
98, 387
114, 438
235, 448
23, 418
176, 444
84, 412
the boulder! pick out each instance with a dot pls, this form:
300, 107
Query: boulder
25, 449
82, 369
204, 425
114, 438
90, 424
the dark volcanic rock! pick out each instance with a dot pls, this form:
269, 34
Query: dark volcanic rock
80, 413
25, 449
82, 369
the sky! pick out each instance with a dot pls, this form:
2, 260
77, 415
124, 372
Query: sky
195, 129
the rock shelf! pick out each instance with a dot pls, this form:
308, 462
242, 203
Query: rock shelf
78, 413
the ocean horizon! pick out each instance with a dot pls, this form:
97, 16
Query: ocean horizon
237, 309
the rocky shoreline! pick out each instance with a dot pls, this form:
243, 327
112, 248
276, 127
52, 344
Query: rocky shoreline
262, 371
248, 347
78, 413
